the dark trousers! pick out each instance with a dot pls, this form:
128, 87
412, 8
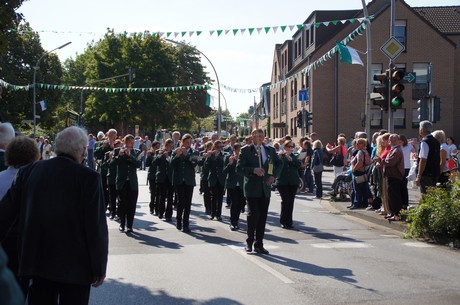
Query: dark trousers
46, 292
426, 182
394, 195
257, 218
153, 205
319, 183
217, 196
360, 194
206, 196
105, 187
127, 208
238, 201
287, 193
113, 194
166, 195
90, 158
404, 190
184, 193
308, 180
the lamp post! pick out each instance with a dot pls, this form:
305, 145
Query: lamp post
219, 111
36, 67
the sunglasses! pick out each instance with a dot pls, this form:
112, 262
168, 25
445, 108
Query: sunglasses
291, 146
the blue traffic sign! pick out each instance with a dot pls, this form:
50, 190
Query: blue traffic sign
410, 77
303, 95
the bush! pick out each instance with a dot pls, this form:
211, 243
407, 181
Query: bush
437, 216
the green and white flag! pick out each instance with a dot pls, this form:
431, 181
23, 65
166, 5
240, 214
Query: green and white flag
348, 54
44, 105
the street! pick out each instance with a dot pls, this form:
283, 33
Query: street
329, 258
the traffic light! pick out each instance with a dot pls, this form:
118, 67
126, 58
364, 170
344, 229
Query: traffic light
396, 89
308, 119
215, 124
381, 89
423, 111
299, 119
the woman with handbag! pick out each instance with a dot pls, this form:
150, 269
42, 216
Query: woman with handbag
317, 167
339, 152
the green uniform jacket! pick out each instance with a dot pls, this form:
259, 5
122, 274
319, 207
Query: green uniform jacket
204, 170
289, 175
255, 186
183, 168
99, 154
2, 161
216, 170
164, 169
127, 168
232, 178
111, 169
151, 163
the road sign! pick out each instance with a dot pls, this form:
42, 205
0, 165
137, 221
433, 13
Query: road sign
392, 48
303, 95
410, 77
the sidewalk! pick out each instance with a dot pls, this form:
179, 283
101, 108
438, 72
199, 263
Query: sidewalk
370, 216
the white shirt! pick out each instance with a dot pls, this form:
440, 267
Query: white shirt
451, 148
446, 149
407, 152
424, 149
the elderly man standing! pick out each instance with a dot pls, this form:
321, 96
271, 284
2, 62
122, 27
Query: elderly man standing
428, 158
63, 239
6, 136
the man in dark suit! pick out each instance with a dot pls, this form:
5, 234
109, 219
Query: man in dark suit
183, 163
63, 239
163, 179
234, 184
260, 165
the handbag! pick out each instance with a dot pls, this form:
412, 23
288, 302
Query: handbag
318, 168
361, 179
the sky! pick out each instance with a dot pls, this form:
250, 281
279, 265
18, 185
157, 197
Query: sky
241, 61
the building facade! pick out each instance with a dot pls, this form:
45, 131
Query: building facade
337, 91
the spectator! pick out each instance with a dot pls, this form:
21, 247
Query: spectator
6, 136
339, 152
443, 155
46, 150
407, 149
90, 157
428, 158
317, 162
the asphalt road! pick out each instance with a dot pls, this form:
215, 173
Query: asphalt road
329, 258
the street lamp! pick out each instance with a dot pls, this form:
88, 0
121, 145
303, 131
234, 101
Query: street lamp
35, 84
219, 111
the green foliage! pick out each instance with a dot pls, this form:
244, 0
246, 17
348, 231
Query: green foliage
9, 19
438, 214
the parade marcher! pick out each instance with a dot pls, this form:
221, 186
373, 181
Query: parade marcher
100, 151
428, 158
6, 136
260, 165
204, 173
234, 184
63, 237
287, 183
164, 180
183, 163
127, 162
111, 180
216, 179
150, 162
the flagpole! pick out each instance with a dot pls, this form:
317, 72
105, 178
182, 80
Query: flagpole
367, 121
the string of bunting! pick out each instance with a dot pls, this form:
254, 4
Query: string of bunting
104, 89
317, 63
225, 32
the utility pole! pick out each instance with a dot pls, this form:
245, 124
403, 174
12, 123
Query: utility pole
392, 32
367, 124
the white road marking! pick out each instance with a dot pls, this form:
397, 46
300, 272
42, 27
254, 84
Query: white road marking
418, 245
342, 245
389, 235
253, 259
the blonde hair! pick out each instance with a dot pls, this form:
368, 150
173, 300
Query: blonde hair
317, 144
342, 140
439, 135
380, 146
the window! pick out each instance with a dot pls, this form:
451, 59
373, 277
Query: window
415, 118
376, 118
401, 32
399, 118
307, 36
312, 37
421, 70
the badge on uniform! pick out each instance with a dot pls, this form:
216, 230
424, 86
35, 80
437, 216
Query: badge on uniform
270, 168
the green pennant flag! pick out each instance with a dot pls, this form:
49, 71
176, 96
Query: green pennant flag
235, 31
267, 29
219, 32
299, 26
334, 22
283, 27
198, 33
250, 31
352, 20
183, 34
168, 34
317, 24
208, 100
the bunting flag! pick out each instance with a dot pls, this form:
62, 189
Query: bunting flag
220, 32
7, 85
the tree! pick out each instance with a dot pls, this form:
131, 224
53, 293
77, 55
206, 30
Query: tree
9, 20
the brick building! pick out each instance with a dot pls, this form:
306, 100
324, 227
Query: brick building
431, 36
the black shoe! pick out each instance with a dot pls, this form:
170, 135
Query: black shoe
121, 228
186, 230
211, 218
353, 207
112, 216
283, 226
129, 230
218, 218
168, 219
349, 206
248, 248
179, 226
160, 216
261, 250
233, 227
289, 227
151, 212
